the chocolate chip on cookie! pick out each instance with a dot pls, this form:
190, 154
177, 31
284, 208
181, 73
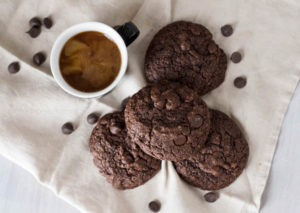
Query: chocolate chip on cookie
220, 161
168, 121
185, 52
120, 160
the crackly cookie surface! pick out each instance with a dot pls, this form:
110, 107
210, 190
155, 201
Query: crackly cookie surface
185, 52
120, 160
168, 121
222, 159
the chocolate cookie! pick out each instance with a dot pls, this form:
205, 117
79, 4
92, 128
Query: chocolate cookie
168, 122
122, 162
222, 159
185, 52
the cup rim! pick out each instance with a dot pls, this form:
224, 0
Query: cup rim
60, 41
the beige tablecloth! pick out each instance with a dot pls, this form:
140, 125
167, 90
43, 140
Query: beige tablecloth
33, 107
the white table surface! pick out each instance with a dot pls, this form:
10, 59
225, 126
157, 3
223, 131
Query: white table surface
21, 193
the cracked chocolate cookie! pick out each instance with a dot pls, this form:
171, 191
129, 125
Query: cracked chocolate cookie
222, 159
120, 160
168, 121
185, 52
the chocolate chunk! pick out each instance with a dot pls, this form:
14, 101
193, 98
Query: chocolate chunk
212, 48
184, 46
39, 58
154, 206
67, 128
227, 30
35, 22
114, 129
236, 57
124, 102
211, 197
180, 140
240, 82
34, 31
14, 67
196, 121
92, 118
48, 22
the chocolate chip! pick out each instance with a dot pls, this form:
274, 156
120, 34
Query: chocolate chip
92, 118
197, 121
159, 104
212, 48
180, 140
154, 206
35, 22
124, 103
240, 82
185, 46
236, 57
211, 197
67, 128
215, 138
34, 31
227, 30
114, 129
14, 67
39, 58
48, 22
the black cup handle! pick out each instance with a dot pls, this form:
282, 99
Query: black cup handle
128, 31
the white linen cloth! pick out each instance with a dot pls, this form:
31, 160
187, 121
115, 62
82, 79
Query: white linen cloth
33, 107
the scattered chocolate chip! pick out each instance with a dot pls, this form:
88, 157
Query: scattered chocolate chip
34, 31
67, 128
39, 58
180, 140
154, 206
92, 118
115, 129
236, 57
227, 30
35, 22
124, 102
240, 82
211, 197
48, 22
14, 67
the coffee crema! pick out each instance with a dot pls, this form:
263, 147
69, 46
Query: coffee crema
90, 61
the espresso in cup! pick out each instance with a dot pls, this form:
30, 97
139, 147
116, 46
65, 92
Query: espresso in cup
89, 61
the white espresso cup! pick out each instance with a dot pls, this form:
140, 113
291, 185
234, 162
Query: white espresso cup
122, 36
